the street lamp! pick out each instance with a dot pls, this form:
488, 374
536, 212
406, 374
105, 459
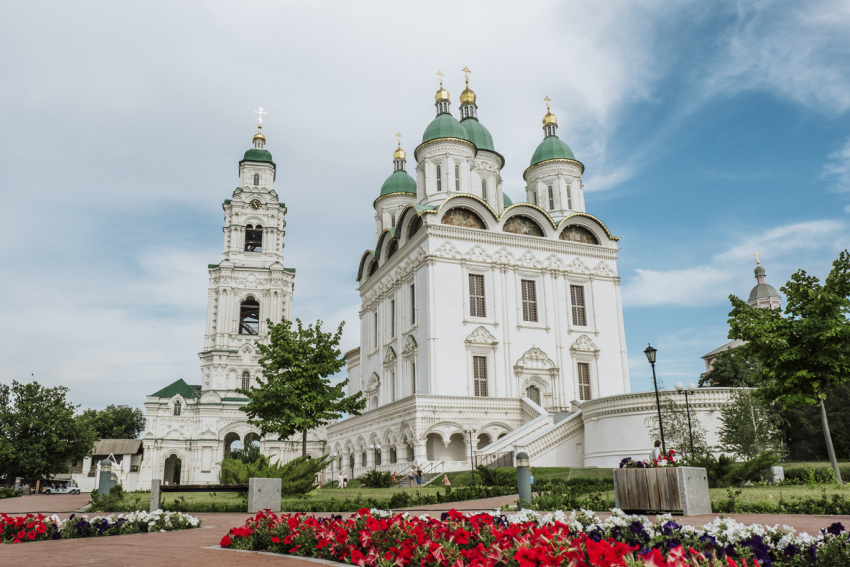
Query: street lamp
471, 431
691, 389
650, 356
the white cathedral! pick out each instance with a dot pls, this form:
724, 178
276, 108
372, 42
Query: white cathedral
486, 327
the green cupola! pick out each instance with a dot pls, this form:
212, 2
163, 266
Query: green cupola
400, 181
258, 152
551, 147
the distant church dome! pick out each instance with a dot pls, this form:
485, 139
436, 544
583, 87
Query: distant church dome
763, 294
398, 182
552, 147
444, 126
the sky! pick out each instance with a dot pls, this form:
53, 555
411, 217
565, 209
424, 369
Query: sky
707, 129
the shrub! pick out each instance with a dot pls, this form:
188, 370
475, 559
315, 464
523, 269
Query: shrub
10, 493
497, 476
297, 476
376, 479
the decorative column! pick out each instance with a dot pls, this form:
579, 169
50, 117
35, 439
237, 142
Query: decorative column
420, 452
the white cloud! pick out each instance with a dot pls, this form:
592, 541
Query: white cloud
797, 50
838, 168
782, 248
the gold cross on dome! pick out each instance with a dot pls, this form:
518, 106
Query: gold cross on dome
440, 74
466, 73
757, 255
260, 114
398, 135
548, 100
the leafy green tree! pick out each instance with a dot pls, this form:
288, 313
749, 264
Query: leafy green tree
116, 422
802, 431
750, 427
803, 352
294, 393
731, 369
39, 434
677, 434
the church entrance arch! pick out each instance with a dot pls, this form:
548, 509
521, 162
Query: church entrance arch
171, 471
483, 441
231, 441
252, 439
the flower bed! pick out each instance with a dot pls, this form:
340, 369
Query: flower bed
40, 528
528, 539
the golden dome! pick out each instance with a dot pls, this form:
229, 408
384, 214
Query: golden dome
549, 118
399, 153
442, 94
467, 96
259, 134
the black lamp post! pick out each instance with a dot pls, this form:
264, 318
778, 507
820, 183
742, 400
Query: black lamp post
650, 356
471, 431
691, 389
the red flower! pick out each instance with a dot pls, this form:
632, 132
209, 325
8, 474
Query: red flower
31, 535
41, 528
225, 542
275, 539
526, 557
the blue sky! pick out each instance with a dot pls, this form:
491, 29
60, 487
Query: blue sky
708, 130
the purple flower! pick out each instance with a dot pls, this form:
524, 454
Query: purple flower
709, 539
835, 528
790, 550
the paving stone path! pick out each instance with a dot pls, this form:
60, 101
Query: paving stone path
186, 548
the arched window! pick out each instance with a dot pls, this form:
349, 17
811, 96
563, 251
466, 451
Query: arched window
254, 238
256, 179
484, 189
177, 407
533, 394
246, 380
439, 179
415, 225
551, 198
392, 221
457, 177
249, 317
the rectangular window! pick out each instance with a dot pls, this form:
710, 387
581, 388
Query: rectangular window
551, 199
439, 179
392, 221
484, 189
479, 367
392, 317
583, 381
534, 197
476, 296
579, 310
529, 300
375, 330
392, 386
569, 198
412, 304
457, 178
413, 376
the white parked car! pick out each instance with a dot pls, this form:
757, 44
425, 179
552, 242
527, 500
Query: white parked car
62, 489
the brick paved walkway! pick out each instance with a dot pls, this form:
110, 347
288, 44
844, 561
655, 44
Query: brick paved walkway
186, 548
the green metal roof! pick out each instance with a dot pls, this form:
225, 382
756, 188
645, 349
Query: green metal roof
478, 134
258, 155
212, 265
506, 200
399, 182
444, 126
179, 387
290, 270
552, 148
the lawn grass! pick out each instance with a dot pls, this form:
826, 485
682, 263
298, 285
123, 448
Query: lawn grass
321, 494
464, 478
759, 493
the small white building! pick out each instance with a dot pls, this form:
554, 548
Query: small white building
489, 327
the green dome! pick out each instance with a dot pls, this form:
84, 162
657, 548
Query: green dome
552, 148
507, 200
478, 134
257, 155
444, 126
399, 182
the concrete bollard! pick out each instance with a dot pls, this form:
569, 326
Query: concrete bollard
106, 481
523, 476
155, 494
263, 494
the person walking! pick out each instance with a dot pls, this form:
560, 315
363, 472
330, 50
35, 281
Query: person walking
656, 451
339, 479
446, 480
345, 480
418, 477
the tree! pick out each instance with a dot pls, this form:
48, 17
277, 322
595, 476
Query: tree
294, 393
803, 352
39, 434
116, 422
750, 427
677, 434
731, 369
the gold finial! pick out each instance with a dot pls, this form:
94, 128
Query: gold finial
466, 73
260, 115
467, 96
442, 94
440, 74
757, 255
399, 153
549, 118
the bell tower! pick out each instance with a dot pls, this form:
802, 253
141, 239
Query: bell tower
250, 283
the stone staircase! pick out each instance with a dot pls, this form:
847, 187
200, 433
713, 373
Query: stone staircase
404, 482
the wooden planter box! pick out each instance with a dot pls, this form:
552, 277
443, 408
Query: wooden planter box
665, 489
